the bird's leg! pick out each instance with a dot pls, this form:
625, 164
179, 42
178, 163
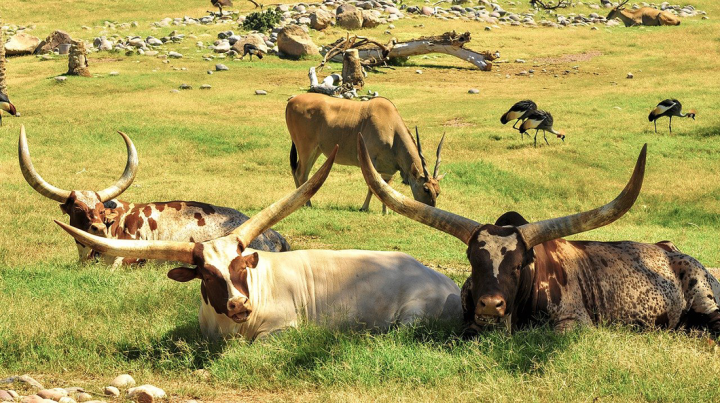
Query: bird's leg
536, 132
545, 137
655, 121
670, 124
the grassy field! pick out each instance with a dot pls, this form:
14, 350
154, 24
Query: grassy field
68, 324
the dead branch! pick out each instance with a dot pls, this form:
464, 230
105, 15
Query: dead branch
561, 4
373, 53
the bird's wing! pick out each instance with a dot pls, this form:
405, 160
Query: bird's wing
662, 107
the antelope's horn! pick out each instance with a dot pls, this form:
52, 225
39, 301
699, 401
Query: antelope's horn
285, 206
453, 224
161, 250
542, 231
32, 177
422, 157
437, 160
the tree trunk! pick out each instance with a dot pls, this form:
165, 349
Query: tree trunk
450, 43
3, 82
352, 71
77, 60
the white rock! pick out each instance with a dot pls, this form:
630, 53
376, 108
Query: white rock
175, 55
61, 79
114, 73
67, 399
260, 92
111, 391
153, 391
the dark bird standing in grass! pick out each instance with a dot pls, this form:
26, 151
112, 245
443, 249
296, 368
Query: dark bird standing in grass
541, 120
6, 106
221, 3
519, 111
670, 108
250, 49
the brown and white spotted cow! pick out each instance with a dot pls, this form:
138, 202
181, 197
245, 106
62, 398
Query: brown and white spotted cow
523, 272
101, 214
253, 293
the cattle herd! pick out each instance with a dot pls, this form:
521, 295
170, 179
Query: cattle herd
522, 273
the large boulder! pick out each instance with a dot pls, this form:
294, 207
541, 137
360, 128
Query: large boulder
293, 42
349, 17
53, 40
21, 44
370, 19
320, 19
253, 39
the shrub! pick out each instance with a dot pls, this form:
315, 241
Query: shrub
261, 21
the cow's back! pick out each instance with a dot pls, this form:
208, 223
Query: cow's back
625, 282
188, 221
342, 289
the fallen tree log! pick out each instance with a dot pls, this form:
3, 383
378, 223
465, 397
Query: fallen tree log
374, 54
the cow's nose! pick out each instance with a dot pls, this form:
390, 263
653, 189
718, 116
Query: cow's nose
97, 228
491, 305
236, 305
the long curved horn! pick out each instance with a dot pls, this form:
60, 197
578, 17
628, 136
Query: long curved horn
32, 177
128, 175
453, 224
282, 208
162, 250
437, 157
542, 231
422, 157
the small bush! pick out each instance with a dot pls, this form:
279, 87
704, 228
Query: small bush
261, 21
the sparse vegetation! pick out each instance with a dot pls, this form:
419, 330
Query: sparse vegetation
85, 324
261, 21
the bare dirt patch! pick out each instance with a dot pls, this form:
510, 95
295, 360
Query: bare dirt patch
457, 122
569, 58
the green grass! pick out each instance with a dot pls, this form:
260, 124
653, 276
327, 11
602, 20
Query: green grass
65, 323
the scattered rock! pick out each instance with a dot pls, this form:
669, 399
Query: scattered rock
349, 17
21, 44
260, 92
85, 397
370, 20
114, 73
24, 379
33, 399
5, 396
294, 42
151, 390
66, 399
221, 67
185, 86
519, 61
320, 19
418, 71
175, 55
205, 87
427, 10
253, 39
111, 391
630, 75
473, 91
61, 79
53, 41
52, 394
522, 73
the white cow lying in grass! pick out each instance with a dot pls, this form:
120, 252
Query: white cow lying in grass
254, 293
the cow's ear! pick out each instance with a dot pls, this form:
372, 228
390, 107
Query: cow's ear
183, 274
65, 207
251, 260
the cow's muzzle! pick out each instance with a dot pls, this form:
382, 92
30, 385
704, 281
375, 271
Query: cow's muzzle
239, 309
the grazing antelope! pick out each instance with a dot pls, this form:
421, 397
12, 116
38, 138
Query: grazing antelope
250, 49
7, 106
541, 120
254, 293
524, 273
519, 111
317, 122
669, 108
642, 16
100, 213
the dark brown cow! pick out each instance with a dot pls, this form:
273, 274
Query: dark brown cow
522, 272
99, 213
